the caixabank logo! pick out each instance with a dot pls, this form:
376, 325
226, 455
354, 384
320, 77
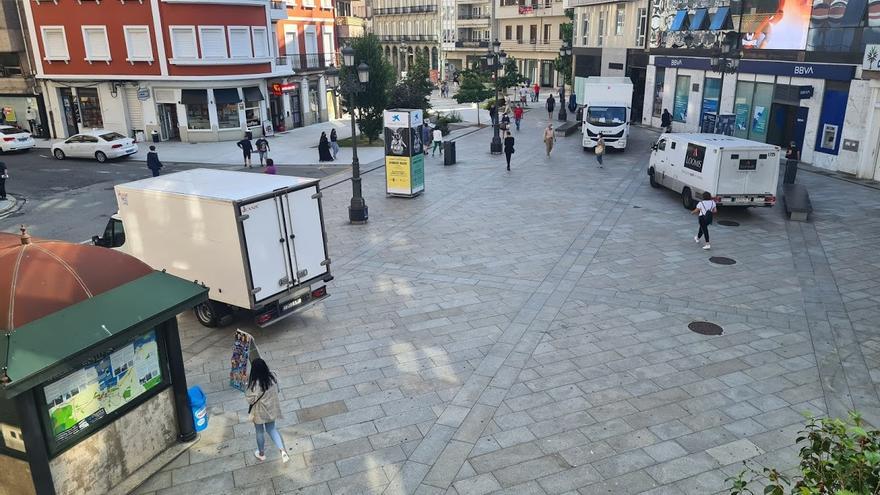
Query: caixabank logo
694, 157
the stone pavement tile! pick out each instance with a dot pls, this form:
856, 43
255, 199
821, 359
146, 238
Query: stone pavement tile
156, 482
513, 437
502, 458
344, 434
209, 468
587, 454
477, 485
736, 451
370, 460
370, 481
353, 417
335, 452
295, 479
529, 488
318, 412
562, 441
474, 423
433, 443
636, 482
682, 467
220, 484
704, 483
626, 462
665, 451
531, 470
632, 440
444, 469
569, 480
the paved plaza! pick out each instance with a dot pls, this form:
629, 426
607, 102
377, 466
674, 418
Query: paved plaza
526, 332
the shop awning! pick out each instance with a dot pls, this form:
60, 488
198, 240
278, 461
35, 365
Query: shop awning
194, 96
226, 95
252, 93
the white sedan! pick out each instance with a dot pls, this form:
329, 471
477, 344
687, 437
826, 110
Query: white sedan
98, 144
14, 138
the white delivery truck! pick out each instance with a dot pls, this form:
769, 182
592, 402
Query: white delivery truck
736, 172
607, 109
257, 241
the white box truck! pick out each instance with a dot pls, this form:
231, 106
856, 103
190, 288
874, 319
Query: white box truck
257, 241
736, 172
607, 109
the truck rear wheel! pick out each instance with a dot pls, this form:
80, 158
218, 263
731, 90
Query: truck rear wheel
654, 183
687, 199
208, 313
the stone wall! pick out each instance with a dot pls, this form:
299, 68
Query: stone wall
108, 457
15, 477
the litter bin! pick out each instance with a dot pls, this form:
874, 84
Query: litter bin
198, 404
155, 135
791, 168
448, 152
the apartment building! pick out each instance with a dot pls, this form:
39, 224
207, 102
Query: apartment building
20, 98
467, 26
530, 32
609, 39
408, 28
351, 20
189, 70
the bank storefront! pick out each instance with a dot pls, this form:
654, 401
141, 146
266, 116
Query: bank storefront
770, 101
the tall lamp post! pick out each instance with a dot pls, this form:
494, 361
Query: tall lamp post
496, 58
350, 86
564, 51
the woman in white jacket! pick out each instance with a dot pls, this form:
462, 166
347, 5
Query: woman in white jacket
264, 408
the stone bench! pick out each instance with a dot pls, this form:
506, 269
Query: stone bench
797, 202
567, 128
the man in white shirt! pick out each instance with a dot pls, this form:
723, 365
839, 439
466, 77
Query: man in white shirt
438, 141
31, 117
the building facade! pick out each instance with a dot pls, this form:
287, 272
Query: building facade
803, 84
20, 95
351, 20
189, 70
531, 33
467, 32
408, 28
609, 39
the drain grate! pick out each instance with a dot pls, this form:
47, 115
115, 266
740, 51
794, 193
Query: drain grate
728, 223
705, 328
721, 260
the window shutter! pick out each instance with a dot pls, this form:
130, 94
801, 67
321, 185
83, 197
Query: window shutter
55, 44
240, 42
213, 42
261, 43
184, 43
96, 44
139, 47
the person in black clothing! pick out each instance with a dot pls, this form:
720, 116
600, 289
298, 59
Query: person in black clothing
262, 149
793, 153
153, 162
666, 120
246, 149
508, 148
3, 176
324, 154
493, 114
551, 104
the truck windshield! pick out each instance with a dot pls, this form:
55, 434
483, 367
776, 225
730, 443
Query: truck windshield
606, 116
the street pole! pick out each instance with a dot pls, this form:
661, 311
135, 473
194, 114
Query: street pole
357, 210
496, 136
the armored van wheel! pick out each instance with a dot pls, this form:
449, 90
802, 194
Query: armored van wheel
687, 199
653, 181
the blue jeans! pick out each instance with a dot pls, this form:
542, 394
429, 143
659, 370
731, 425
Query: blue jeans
276, 437
517, 123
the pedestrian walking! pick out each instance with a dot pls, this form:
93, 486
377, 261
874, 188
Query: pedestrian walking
537, 89
704, 211
264, 408
246, 149
31, 117
508, 148
600, 149
334, 145
523, 95
493, 113
551, 105
270, 166
324, 154
437, 141
426, 138
262, 149
666, 120
517, 115
4, 174
153, 162
549, 137
505, 122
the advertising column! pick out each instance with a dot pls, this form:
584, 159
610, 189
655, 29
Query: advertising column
404, 161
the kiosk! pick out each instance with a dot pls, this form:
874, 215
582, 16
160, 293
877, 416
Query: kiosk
404, 157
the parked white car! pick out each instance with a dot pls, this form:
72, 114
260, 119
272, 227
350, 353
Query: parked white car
99, 144
14, 138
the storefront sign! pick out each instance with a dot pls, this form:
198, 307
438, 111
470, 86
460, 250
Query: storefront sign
815, 71
143, 94
280, 88
805, 92
871, 59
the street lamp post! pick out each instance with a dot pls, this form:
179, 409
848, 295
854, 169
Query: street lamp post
495, 59
351, 85
564, 51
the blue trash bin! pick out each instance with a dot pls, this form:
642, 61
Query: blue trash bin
198, 404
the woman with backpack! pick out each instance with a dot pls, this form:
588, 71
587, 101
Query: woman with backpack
705, 209
264, 408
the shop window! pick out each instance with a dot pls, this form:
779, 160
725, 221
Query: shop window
681, 98
742, 108
196, 103
659, 76
227, 116
760, 114
252, 99
89, 108
711, 96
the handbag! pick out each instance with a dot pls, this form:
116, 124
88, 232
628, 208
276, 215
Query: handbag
251, 406
600, 150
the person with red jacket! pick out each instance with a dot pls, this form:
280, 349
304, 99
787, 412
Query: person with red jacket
537, 91
517, 115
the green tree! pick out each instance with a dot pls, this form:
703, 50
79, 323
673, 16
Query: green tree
414, 91
473, 89
563, 64
509, 77
372, 100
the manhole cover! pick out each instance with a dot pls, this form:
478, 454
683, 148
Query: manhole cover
721, 260
705, 328
728, 223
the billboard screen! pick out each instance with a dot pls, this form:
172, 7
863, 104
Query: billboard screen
776, 24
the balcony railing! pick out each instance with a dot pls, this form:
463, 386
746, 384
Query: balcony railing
474, 17
307, 61
472, 44
407, 37
415, 9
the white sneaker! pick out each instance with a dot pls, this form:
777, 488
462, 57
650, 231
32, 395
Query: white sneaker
707, 247
284, 457
696, 239
258, 456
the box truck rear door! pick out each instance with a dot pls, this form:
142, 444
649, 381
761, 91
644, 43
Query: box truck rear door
266, 244
735, 168
303, 216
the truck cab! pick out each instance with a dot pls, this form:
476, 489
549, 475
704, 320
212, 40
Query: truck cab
606, 108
